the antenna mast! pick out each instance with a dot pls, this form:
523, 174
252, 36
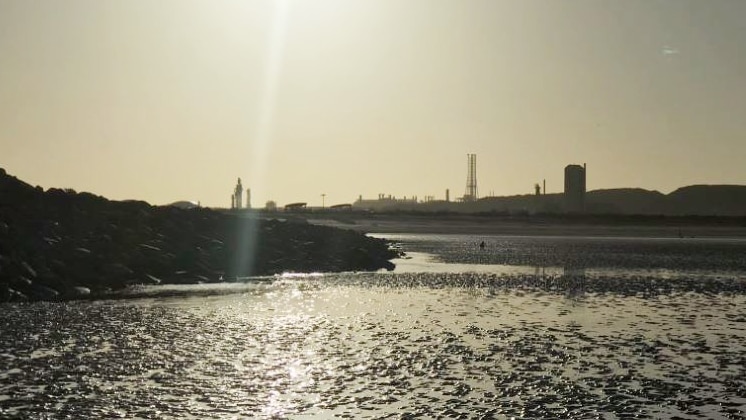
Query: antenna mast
471, 179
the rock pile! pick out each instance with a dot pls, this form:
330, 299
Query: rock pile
59, 244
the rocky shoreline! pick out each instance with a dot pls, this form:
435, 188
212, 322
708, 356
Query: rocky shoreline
59, 244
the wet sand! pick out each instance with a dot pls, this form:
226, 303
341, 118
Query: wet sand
382, 346
455, 343
465, 224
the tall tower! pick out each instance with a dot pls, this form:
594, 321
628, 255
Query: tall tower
248, 198
471, 179
238, 194
575, 188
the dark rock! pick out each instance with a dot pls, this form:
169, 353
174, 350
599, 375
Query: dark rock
80, 291
16, 296
22, 281
149, 279
58, 243
28, 269
42, 292
203, 279
116, 271
4, 292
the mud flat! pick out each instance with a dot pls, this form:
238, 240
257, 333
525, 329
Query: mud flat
557, 225
385, 345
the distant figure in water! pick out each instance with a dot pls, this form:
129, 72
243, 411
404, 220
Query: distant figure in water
481, 245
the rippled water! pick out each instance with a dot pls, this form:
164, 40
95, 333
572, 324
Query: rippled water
591, 256
376, 345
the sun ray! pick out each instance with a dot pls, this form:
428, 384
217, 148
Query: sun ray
263, 133
246, 237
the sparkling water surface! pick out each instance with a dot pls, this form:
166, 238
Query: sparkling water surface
407, 344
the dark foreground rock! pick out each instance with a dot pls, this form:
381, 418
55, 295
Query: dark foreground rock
60, 244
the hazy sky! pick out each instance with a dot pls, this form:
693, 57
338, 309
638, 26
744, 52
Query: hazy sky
174, 99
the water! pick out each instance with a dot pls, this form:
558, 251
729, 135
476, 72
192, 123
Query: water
434, 339
591, 256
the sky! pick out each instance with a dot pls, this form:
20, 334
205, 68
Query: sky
175, 99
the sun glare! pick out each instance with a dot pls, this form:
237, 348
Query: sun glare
262, 135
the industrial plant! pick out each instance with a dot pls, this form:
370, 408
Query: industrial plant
572, 200
237, 197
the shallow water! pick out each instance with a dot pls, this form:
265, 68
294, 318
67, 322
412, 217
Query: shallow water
591, 256
375, 345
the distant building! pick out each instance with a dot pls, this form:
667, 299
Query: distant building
237, 201
295, 206
384, 202
341, 207
575, 188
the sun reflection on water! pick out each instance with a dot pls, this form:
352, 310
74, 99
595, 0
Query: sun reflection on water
344, 345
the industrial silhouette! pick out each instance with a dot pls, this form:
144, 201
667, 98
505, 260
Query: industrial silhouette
236, 198
575, 188
471, 179
725, 200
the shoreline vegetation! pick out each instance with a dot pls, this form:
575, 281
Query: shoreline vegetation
59, 245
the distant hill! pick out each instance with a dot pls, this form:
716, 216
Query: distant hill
693, 200
720, 200
625, 201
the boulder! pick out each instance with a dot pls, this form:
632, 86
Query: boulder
63, 244
150, 279
4, 292
42, 292
80, 291
29, 271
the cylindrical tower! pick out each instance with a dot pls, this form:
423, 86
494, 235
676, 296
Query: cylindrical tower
575, 188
